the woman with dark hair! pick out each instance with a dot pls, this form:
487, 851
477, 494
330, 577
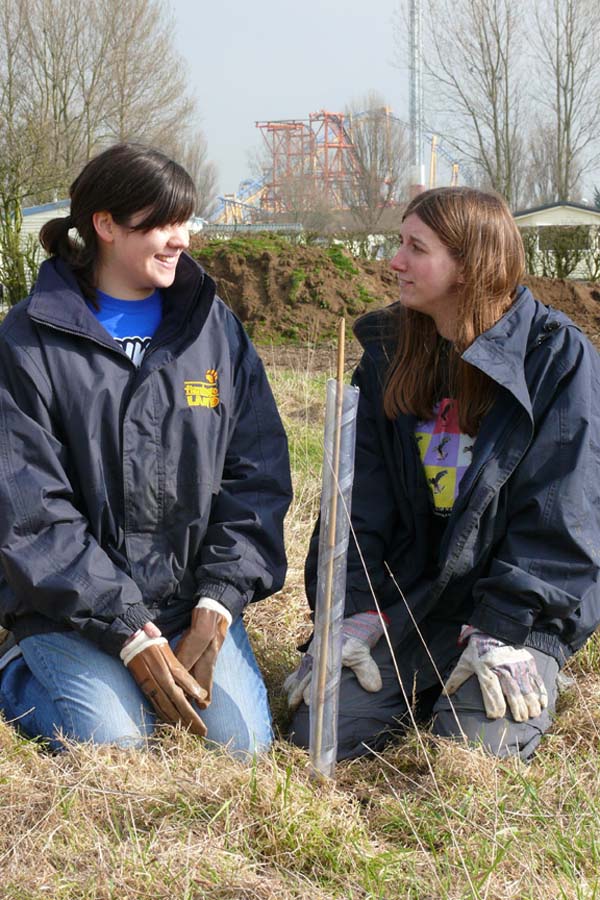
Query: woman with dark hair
473, 572
145, 477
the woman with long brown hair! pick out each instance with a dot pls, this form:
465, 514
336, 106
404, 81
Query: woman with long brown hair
474, 559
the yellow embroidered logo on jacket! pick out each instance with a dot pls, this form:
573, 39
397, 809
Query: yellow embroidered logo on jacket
203, 393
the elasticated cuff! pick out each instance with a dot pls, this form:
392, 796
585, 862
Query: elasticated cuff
498, 625
121, 629
225, 594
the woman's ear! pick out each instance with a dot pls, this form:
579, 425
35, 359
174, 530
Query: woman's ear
104, 224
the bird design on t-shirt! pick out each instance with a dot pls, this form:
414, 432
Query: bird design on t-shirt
435, 481
445, 410
440, 452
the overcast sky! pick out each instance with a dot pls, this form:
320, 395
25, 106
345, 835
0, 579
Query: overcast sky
272, 59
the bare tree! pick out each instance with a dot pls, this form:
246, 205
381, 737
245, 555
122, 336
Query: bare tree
77, 77
147, 98
73, 78
192, 154
145, 82
305, 202
380, 156
540, 184
476, 86
568, 45
65, 48
22, 142
23, 158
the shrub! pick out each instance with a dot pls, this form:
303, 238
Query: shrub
558, 251
18, 255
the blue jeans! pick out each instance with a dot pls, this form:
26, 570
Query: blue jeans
65, 685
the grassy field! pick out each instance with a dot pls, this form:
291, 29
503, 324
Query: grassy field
425, 820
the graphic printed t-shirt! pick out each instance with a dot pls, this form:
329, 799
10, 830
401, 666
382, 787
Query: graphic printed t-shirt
131, 323
446, 454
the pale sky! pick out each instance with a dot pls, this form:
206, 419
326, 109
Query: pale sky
264, 59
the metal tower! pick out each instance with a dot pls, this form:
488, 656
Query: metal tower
416, 100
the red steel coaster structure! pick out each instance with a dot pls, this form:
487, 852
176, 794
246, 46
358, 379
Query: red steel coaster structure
317, 150
312, 161
290, 146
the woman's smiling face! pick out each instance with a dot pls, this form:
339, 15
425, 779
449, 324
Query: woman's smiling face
132, 264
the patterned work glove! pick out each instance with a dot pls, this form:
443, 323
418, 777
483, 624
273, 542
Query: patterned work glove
199, 647
360, 633
504, 673
164, 681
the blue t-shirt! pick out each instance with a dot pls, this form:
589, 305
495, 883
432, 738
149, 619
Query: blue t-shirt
131, 323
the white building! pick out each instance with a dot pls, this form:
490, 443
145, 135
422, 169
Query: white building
582, 234
36, 216
562, 213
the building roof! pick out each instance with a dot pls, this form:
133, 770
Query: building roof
46, 207
561, 203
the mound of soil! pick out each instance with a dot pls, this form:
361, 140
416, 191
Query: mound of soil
286, 293
579, 300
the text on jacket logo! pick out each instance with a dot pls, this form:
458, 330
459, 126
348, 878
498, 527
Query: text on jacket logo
203, 393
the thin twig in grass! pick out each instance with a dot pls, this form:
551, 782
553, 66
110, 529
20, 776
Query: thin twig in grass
490, 834
36, 828
407, 702
504, 850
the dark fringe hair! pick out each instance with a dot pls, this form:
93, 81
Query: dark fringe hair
123, 180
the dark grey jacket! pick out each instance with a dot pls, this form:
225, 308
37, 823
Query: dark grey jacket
520, 556
125, 494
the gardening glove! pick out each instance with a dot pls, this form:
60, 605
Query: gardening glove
164, 681
360, 633
199, 647
504, 673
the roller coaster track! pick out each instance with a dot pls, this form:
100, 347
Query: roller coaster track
247, 204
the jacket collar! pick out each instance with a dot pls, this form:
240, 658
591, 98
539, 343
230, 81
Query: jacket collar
500, 351
56, 299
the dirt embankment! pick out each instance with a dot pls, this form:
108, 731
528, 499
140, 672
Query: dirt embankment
287, 294
580, 300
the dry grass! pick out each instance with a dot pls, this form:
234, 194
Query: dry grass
425, 820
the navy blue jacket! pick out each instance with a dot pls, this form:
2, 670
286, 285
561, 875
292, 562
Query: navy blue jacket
520, 556
125, 493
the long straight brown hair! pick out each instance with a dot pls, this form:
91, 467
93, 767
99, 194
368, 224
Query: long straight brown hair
480, 233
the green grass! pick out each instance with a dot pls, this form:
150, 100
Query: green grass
364, 296
425, 820
342, 261
248, 246
297, 280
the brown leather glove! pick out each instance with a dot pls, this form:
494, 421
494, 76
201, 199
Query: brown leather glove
199, 647
165, 682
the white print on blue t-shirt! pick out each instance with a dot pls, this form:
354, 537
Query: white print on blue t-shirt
134, 347
131, 323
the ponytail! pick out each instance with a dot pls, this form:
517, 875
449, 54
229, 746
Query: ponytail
54, 238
